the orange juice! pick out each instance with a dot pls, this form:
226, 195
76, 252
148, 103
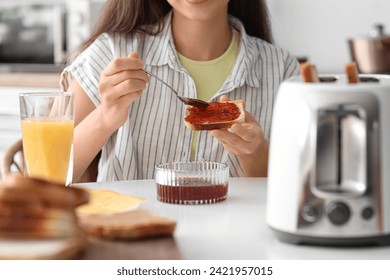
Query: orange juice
47, 146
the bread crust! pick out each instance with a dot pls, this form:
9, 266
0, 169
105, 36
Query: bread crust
135, 224
309, 73
38, 228
18, 190
352, 73
216, 125
34, 209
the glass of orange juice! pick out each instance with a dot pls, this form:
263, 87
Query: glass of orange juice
47, 132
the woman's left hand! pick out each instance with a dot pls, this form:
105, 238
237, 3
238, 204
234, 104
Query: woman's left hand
247, 142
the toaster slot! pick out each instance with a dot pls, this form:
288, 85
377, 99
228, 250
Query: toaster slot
341, 150
369, 80
328, 79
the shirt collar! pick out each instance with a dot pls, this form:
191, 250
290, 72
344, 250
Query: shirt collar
244, 71
165, 53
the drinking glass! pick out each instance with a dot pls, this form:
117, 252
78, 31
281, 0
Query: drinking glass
47, 120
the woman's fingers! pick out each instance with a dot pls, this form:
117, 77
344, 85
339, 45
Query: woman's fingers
223, 98
121, 64
246, 131
232, 142
126, 75
225, 136
124, 88
121, 83
240, 139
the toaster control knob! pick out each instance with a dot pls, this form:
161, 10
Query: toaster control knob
338, 213
310, 213
368, 213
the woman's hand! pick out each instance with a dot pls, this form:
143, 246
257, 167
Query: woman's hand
247, 142
121, 83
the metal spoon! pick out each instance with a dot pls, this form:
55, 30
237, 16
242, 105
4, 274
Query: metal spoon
188, 101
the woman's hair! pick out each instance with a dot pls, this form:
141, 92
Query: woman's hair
128, 16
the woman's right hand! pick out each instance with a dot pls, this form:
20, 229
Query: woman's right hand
121, 83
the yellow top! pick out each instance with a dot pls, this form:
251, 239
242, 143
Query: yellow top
209, 76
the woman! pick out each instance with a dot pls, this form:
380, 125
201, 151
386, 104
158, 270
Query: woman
207, 49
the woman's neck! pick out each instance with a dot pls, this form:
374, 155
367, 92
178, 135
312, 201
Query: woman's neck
200, 39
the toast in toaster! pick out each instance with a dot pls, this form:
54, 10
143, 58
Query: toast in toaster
309, 73
352, 73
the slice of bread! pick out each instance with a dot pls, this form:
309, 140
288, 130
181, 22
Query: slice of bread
20, 221
18, 190
135, 224
38, 229
38, 219
352, 73
309, 73
217, 115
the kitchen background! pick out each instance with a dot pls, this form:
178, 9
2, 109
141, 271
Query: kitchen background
317, 30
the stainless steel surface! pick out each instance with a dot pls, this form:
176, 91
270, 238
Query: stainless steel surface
186, 100
342, 179
341, 158
329, 156
37, 35
372, 52
59, 34
32, 33
81, 18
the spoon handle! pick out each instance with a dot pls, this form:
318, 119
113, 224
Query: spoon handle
185, 100
147, 72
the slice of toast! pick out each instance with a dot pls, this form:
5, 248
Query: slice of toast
135, 224
18, 190
217, 115
20, 221
38, 219
352, 73
309, 73
38, 228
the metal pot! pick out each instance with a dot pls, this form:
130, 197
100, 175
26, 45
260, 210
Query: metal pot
371, 52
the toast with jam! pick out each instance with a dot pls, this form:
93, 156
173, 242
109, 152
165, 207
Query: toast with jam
221, 114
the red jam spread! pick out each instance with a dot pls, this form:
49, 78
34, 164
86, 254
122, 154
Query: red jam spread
192, 194
215, 112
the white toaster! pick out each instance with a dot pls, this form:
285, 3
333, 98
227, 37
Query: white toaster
329, 162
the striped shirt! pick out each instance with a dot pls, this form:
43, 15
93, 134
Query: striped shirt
155, 131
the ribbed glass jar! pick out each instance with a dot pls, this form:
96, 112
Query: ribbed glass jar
197, 182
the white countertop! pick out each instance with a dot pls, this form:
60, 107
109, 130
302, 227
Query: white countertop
235, 228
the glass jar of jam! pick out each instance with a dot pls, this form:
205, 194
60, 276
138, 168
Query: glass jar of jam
192, 182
